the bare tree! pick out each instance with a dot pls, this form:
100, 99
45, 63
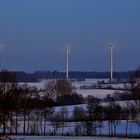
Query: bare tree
50, 87
63, 118
135, 86
90, 128
54, 118
7, 97
63, 87
95, 114
79, 114
112, 117
79, 128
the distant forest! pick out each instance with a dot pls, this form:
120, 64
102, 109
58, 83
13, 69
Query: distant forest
39, 75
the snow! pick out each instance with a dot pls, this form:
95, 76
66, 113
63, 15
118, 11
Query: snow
100, 93
64, 138
123, 104
70, 108
38, 85
133, 128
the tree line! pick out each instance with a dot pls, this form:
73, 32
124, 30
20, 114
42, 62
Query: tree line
38, 75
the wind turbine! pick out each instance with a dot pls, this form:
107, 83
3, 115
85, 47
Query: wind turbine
111, 61
66, 49
67, 62
2, 45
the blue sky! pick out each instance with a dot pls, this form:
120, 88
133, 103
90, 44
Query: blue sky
36, 32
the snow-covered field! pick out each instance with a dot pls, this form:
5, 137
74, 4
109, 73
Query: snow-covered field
133, 127
69, 128
64, 138
70, 108
100, 93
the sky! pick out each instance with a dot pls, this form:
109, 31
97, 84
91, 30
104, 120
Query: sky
36, 32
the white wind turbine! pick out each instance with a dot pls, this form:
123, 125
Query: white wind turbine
67, 51
111, 61
2, 45
67, 64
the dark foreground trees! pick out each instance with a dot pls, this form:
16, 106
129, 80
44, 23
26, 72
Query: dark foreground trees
24, 110
135, 86
20, 103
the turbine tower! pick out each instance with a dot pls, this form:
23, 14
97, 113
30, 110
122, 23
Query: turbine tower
67, 62
2, 45
111, 62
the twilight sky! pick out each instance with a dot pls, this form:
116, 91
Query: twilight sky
36, 32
